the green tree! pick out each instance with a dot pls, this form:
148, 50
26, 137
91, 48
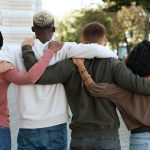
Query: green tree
71, 27
115, 5
130, 20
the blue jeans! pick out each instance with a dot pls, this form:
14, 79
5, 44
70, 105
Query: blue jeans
98, 143
140, 141
5, 139
50, 138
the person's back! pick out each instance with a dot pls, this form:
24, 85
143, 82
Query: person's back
94, 116
93, 119
99, 120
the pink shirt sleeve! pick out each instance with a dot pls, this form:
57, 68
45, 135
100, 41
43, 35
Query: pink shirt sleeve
32, 75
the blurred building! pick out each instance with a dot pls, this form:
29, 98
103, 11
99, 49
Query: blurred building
16, 19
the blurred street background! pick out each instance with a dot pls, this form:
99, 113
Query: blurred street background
127, 23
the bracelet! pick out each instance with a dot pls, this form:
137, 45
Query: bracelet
83, 70
86, 78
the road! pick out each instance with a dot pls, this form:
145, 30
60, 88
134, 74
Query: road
124, 134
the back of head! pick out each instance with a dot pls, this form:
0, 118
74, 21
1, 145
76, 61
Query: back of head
43, 19
43, 25
94, 32
139, 59
1, 40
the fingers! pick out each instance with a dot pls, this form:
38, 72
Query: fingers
55, 46
5, 66
74, 61
28, 41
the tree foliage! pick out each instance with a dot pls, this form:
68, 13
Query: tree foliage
115, 5
129, 20
132, 20
71, 27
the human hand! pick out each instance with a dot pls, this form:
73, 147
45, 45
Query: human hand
55, 46
78, 61
28, 41
5, 66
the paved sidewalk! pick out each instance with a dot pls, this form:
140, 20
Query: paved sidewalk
124, 134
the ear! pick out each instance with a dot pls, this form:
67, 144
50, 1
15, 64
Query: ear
53, 29
105, 42
84, 41
33, 29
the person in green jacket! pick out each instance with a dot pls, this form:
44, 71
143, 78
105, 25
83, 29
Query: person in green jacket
133, 107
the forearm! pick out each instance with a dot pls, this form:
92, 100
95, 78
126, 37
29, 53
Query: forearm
86, 78
33, 74
127, 80
89, 51
57, 73
28, 56
108, 90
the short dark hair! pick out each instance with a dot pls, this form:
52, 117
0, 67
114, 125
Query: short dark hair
1, 40
139, 59
92, 32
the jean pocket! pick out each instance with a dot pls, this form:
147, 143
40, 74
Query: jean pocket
142, 146
111, 143
57, 139
23, 138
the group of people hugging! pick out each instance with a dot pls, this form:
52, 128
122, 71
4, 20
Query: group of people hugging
52, 77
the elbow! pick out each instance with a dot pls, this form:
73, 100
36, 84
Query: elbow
32, 80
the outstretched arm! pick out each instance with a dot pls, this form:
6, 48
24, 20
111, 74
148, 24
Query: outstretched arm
106, 90
89, 51
33, 74
136, 106
122, 75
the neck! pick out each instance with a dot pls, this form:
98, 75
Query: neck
43, 40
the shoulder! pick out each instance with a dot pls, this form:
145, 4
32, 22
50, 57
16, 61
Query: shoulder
67, 62
105, 60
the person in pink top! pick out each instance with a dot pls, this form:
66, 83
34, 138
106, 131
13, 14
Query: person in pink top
20, 78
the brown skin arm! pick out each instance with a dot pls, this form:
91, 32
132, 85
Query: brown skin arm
107, 90
86, 78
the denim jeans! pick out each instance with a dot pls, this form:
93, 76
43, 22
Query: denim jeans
98, 143
5, 139
140, 141
51, 138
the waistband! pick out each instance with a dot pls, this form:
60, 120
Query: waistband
93, 133
141, 129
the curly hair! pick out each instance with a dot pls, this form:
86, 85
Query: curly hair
139, 59
1, 40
